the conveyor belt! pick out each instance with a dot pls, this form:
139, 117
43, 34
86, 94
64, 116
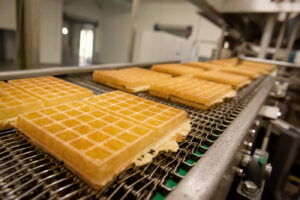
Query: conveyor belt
27, 172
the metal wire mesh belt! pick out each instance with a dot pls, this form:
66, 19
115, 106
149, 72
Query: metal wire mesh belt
27, 172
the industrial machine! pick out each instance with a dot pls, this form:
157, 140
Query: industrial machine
219, 157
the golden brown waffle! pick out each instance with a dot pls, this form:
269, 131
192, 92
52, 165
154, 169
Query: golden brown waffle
176, 69
99, 142
202, 65
14, 102
237, 81
233, 61
268, 67
192, 91
240, 71
221, 63
131, 80
255, 69
51, 90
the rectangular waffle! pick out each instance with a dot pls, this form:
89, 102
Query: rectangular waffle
14, 102
255, 69
176, 69
51, 90
192, 91
131, 80
240, 71
97, 143
265, 66
202, 65
220, 63
237, 81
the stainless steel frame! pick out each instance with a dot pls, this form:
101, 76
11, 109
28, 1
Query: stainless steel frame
275, 62
71, 70
212, 176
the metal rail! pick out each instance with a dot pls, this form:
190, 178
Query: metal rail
213, 174
275, 62
54, 71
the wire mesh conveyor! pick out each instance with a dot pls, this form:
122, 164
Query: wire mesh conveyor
28, 172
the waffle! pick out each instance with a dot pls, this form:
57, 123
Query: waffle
232, 61
176, 69
95, 142
131, 80
14, 102
265, 66
201, 65
192, 91
51, 90
240, 71
237, 81
255, 69
220, 63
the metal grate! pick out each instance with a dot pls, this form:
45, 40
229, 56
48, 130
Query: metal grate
27, 172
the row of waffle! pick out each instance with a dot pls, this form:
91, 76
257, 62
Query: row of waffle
97, 136
196, 84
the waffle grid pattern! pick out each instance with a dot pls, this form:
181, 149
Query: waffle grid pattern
205, 66
86, 128
176, 69
130, 78
192, 89
51, 90
223, 77
140, 110
14, 101
241, 71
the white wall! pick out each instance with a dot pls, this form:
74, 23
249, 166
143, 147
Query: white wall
115, 26
50, 31
8, 14
178, 13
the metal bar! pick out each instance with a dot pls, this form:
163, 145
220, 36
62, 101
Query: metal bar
220, 43
215, 170
267, 35
279, 39
71, 70
209, 12
292, 37
256, 6
134, 13
267, 61
31, 33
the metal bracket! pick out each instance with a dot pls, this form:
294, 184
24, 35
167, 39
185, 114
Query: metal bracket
251, 185
270, 112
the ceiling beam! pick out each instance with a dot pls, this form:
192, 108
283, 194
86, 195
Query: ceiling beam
254, 6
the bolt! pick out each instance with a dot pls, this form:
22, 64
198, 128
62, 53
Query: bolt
245, 151
268, 170
239, 171
278, 114
252, 132
245, 160
249, 186
256, 123
248, 145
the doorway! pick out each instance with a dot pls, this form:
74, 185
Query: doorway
78, 39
